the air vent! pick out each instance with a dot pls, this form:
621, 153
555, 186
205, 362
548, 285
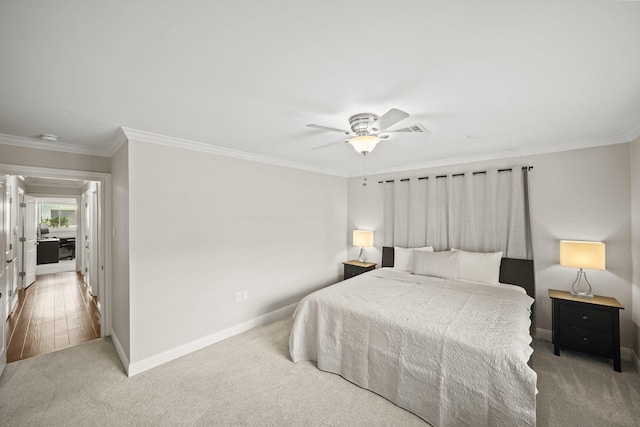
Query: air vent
48, 137
413, 128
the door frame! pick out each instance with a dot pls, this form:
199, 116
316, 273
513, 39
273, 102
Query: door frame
3, 272
81, 240
89, 216
104, 246
24, 215
11, 223
21, 243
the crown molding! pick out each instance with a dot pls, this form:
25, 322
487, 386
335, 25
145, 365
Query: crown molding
516, 152
634, 132
125, 134
576, 145
20, 141
118, 142
65, 147
143, 136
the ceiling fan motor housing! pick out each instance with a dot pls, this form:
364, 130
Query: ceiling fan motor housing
360, 123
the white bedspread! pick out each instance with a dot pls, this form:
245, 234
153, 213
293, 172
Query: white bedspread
452, 353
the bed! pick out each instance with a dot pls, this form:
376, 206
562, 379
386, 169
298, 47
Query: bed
452, 352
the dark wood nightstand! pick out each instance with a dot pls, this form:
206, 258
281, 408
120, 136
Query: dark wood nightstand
586, 324
355, 267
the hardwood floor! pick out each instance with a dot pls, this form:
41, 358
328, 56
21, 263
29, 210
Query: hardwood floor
55, 312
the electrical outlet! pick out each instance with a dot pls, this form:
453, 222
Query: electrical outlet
245, 295
238, 296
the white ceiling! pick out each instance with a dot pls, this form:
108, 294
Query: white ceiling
528, 76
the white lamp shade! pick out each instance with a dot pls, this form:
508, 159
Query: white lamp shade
363, 238
589, 255
364, 144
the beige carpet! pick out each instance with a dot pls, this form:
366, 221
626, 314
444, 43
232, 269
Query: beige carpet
250, 380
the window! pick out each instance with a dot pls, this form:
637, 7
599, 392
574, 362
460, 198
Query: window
58, 215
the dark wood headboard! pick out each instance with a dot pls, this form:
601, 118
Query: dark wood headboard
512, 270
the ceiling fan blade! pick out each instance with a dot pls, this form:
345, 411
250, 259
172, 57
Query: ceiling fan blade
329, 144
346, 132
388, 119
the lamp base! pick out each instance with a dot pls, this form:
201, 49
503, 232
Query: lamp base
363, 255
578, 294
575, 287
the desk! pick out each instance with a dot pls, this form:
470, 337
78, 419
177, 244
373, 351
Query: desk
48, 250
67, 248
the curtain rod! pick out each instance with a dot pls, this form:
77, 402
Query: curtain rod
456, 174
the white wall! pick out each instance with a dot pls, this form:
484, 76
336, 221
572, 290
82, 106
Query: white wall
584, 195
581, 195
13, 155
203, 227
635, 243
120, 310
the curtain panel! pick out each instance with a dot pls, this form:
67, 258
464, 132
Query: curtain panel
481, 212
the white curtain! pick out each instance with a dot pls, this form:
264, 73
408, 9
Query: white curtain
482, 212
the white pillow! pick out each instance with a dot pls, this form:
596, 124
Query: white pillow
438, 264
479, 266
403, 257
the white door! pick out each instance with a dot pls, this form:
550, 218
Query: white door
14, 248
30, 241
93, 240
3, 272
99, 242
21, 241
88, 220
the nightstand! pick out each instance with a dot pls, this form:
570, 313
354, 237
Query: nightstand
586, 324
354, 267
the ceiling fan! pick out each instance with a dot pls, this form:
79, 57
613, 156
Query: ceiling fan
367, 129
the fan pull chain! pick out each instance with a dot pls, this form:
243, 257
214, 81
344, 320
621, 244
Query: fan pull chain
364, 184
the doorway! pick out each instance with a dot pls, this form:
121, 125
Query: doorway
90, 237
60, 223
28, 240
42, 186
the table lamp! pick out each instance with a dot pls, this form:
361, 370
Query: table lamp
589, 255
364, 239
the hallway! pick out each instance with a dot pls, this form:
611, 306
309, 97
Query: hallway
55, 312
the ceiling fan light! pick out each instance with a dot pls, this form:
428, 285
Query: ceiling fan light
364, 144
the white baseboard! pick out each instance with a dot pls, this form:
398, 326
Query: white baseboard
3, 356
120, 351
544, 334
152, 362
169, 355
636, 361
625, 353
